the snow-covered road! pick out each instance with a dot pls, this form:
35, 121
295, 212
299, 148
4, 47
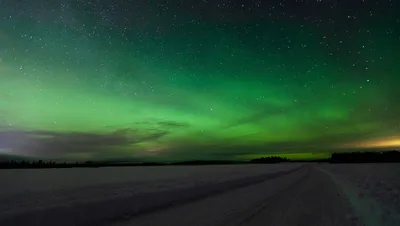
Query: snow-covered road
305, 197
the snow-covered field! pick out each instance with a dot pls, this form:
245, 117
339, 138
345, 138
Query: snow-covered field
30, 190
367, 193
16, 181
373, 189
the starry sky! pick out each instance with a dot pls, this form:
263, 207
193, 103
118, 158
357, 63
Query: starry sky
184, 79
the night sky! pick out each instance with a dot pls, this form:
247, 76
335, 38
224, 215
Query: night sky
207, 79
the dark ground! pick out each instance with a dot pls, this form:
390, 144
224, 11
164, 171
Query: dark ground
302, 195
306, 197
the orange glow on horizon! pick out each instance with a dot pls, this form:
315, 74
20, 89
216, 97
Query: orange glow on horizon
389, 142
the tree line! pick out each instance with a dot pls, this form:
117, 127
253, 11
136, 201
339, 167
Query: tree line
344, 157
365, 157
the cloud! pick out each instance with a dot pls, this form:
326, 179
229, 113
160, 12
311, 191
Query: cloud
152, 123
54, 144
172, 124
254, 118
266, 111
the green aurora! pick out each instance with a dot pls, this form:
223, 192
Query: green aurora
80, 81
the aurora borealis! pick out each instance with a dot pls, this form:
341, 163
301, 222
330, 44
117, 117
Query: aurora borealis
177, 80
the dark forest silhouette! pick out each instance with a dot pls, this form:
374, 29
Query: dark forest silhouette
51, 164
346, 157
272, 159
365, 157
206, 162
343, 157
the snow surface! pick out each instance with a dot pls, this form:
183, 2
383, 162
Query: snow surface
27, 190
373, 190
305, 197
281, 194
